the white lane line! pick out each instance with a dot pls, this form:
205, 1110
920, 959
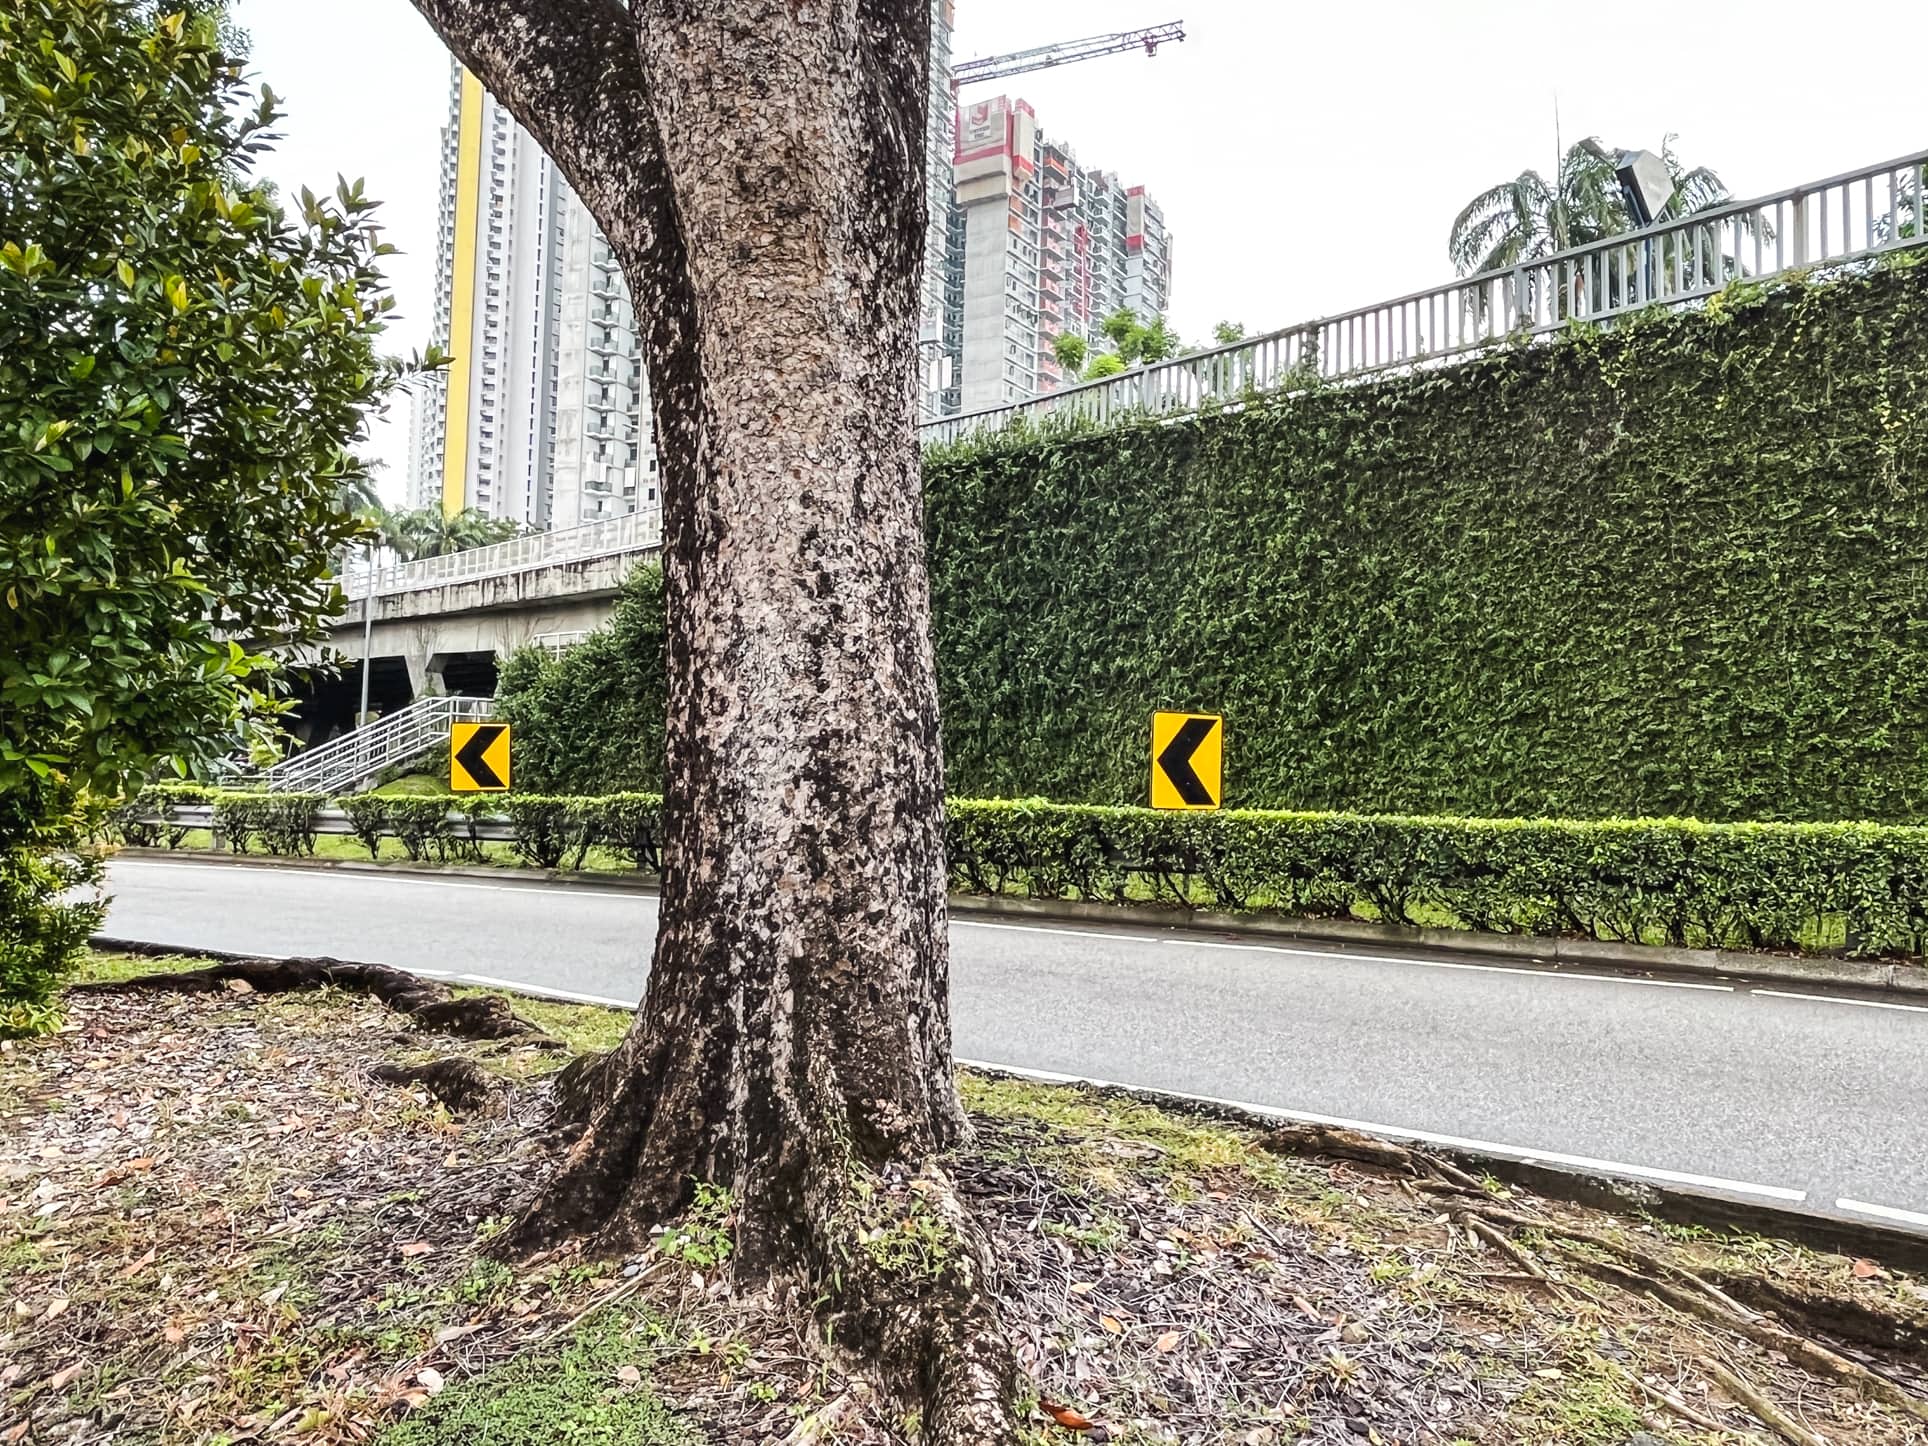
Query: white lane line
1068, 933
1455, 964
1456, 1142
1882, 1212
407, 881
536, 989
1837, 999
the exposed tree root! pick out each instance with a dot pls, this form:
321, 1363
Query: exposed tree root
1808, 1353
428, 1004
1337, 1144
911, 1276
1769, 1414
461, 1084
1865, 1317
892, 1258
1671, 1402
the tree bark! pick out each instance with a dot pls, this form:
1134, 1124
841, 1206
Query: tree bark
764, 187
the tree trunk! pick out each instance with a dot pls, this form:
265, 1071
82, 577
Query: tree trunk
794, 1044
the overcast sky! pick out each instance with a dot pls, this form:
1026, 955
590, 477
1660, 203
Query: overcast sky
1309, 157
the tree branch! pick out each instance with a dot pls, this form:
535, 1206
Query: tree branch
569, 71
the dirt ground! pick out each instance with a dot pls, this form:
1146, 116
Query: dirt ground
216, 1226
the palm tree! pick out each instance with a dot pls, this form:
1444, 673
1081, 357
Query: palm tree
1525, 219
431, 532
1528, 219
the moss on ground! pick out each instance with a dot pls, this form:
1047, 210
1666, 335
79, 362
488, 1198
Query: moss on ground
591, 1390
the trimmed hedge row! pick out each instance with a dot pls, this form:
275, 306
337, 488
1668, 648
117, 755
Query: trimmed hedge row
547, 831
1859, 888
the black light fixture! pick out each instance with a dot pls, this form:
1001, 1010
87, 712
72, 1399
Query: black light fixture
1646, 183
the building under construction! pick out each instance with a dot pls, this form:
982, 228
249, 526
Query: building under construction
1040, 246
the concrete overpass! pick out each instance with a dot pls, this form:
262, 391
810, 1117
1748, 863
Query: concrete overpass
442, 625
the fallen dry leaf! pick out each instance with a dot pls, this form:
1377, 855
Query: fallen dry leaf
139, 1265
430, 1379
629, 1375
1083, 1287
173, 1335
1066, 1417
1867, 1270
61, 1379
1112, 1324
1166, 1343
57, 1309
1307, 1309
417, 1247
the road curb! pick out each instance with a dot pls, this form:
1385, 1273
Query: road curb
1681, 1204
1801, 972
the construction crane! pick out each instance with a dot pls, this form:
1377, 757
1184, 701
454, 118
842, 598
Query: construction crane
1047, 57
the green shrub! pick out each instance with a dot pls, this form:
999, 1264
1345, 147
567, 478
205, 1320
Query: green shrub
1861, 887
547, 830
147, 819
590, 719
282, 823
44, 925
629, 825
424, 827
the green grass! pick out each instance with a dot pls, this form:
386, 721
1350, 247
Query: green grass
569, 1395
98, 968
585, 1028
415, 785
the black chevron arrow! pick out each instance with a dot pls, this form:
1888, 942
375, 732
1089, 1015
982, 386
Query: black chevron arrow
471, 759
1176, 760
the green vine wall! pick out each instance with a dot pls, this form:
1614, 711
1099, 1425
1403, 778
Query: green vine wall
1676, 568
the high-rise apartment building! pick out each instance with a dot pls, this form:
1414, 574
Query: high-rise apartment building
544, 415
1039, 246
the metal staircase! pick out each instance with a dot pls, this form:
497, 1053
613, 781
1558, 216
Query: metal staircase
340, 764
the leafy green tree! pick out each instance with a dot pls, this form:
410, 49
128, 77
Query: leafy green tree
1530, 217
1071, 351
185, 370
1134, 342
1227, 332
590, 719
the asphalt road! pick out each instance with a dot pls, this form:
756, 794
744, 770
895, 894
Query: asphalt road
1812, 1101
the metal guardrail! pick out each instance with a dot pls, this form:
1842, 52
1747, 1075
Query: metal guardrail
1845, 218
637, 532
417, 729
479, 828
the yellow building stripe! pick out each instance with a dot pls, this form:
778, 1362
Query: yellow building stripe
468, 201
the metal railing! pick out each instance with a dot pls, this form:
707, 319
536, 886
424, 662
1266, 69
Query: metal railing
1850, 217
477, 828
1845, 218
420, 728
637, 532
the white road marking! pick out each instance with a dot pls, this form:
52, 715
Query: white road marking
1548, 972
408, 880
1882, 1212
536, 989
1068, 933
1455, 1142
1839, 999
